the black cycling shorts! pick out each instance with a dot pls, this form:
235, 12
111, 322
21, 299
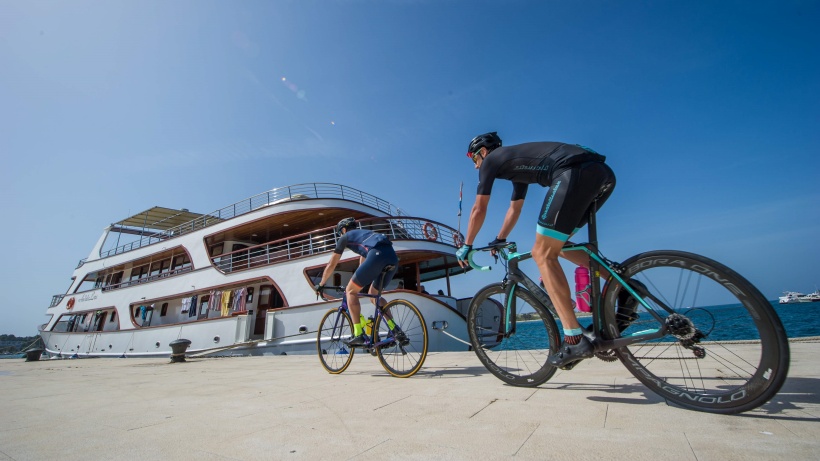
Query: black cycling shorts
375, 261
571, 193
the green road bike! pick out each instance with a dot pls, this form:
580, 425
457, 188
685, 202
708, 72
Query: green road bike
689, 328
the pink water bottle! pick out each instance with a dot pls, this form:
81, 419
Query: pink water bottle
582, 289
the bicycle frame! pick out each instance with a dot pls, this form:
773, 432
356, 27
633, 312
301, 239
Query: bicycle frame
338, 323
597, 261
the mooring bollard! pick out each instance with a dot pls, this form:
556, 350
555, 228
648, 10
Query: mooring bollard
178, 349
33, 355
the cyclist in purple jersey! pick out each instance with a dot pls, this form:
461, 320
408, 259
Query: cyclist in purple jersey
576, 176
375, 253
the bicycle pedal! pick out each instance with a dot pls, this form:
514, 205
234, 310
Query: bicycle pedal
570, 365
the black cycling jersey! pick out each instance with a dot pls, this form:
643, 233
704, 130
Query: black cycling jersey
530, 163
360, 241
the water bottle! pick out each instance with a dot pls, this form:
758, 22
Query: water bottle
366, 323
582, 289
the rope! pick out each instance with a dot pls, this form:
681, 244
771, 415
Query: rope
457, 339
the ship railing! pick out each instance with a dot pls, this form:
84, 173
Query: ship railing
324, 240
271, 197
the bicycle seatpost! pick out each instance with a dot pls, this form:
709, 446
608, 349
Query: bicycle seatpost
386, 269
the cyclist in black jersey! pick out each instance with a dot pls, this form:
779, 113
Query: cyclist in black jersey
575, 176
375, 253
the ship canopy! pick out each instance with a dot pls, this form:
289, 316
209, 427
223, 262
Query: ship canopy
154, 219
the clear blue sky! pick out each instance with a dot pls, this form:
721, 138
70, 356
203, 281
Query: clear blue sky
707, 111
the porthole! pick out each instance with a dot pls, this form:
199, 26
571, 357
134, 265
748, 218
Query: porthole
157, 344
216, 339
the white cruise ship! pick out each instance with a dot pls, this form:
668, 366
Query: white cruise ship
238, 281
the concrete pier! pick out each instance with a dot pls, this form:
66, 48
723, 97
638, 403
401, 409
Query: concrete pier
288, 407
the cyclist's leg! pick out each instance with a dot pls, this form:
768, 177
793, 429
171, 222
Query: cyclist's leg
545, 253
353, 304
368, 271
552, 231
564, 211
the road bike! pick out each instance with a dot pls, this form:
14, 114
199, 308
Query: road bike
401, 350
689, 328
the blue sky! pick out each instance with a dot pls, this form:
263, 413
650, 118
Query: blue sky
707, 111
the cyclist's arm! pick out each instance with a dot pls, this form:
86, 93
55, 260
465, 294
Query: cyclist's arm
331, 266
513, 212
477, 215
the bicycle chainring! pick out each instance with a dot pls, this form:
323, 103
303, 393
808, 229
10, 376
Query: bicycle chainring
606, 356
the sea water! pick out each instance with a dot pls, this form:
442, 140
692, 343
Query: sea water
732, 322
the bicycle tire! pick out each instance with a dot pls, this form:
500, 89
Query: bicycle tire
402, 360
334, 355
520, 359
744, 355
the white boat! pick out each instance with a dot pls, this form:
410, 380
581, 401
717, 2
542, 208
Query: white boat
155, 277
790, 297
812, 297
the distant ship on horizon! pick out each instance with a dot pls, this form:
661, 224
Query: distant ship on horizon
791, 297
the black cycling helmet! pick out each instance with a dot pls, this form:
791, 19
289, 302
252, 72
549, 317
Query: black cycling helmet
488, 140
346, 223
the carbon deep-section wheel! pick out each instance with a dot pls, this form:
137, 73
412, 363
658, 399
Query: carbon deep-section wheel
726, 350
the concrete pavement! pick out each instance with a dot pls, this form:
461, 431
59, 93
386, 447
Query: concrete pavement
288, 407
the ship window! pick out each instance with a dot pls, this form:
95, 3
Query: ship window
139, 272
90, 282
180, 262
113, 316
337, 279
249, 299
136, 311
164, 310
114, 279
216, 250
158, 267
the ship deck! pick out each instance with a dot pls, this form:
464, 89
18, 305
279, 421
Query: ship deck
288, 407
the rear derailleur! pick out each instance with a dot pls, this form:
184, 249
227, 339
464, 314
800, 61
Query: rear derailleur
689, 336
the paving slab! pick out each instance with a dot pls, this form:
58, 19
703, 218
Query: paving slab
288, 407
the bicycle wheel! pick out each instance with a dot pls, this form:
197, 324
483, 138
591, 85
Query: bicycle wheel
401, 356
335, 328
727, 351
519, 359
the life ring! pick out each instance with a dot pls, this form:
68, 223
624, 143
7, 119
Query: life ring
70, 303
457, 240
430, 232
